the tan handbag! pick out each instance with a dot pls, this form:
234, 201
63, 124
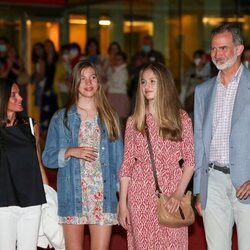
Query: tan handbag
185, 214
183, 217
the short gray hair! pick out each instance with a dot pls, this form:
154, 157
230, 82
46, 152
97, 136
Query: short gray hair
232, 28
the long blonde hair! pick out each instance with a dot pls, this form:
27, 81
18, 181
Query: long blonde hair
167, 105
107, 114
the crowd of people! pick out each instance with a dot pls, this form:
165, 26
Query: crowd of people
99, 147
51, 71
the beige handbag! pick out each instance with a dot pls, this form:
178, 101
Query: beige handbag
185, 214
183, 217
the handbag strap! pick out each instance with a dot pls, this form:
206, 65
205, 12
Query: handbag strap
157, 188
151, 154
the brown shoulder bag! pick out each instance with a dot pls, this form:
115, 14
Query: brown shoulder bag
185, 214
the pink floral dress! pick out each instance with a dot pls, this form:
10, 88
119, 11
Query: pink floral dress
144, 231
92, 181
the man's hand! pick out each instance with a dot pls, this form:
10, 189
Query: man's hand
243, 192
198, 204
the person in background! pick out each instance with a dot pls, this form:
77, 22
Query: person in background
92, 53
141, 58
49, 98
137, 63
222, 142
62, 76
199, 72
84, 142
12, 67
148, 52
4, 45
109, 61
38, 76
75, 54
171, 135
21, 173
113, 49
246, 57
117, 87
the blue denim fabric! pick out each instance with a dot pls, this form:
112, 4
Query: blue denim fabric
69, 188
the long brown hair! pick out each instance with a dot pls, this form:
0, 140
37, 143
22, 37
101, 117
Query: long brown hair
5, 92
167, 105
107, 114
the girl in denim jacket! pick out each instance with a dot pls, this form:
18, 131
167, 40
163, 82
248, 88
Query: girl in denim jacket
85, 144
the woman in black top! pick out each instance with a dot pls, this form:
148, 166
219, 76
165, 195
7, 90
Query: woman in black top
21, 173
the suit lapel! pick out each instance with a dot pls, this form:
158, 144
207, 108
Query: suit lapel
208, 116
242, 96
241, 99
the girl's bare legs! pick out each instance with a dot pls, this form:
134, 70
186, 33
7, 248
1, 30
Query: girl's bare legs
74, 236
100, 237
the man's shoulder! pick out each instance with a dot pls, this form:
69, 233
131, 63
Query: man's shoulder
207, 84
246, 72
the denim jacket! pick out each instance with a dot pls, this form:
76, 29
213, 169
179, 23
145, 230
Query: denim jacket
69, 189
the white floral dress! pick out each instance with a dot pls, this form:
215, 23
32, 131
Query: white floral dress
92, 181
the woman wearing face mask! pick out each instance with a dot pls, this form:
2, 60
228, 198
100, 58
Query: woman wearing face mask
75, 54
199, 71
21, 173
149, 53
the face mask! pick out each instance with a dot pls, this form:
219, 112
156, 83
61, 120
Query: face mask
246, 64
65, 57
73, 53
146, 48
3, 48
197, 61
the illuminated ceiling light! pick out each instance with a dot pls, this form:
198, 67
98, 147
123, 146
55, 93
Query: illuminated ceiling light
216, 20
137, 23
77, 21
104, 20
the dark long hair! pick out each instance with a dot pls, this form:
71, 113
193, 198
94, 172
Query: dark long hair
5, 92
34, 57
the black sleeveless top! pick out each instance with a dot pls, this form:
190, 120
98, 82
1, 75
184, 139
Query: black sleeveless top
20, 176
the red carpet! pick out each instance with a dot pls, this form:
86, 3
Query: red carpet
118, 240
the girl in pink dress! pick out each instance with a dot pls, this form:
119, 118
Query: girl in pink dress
171, 135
